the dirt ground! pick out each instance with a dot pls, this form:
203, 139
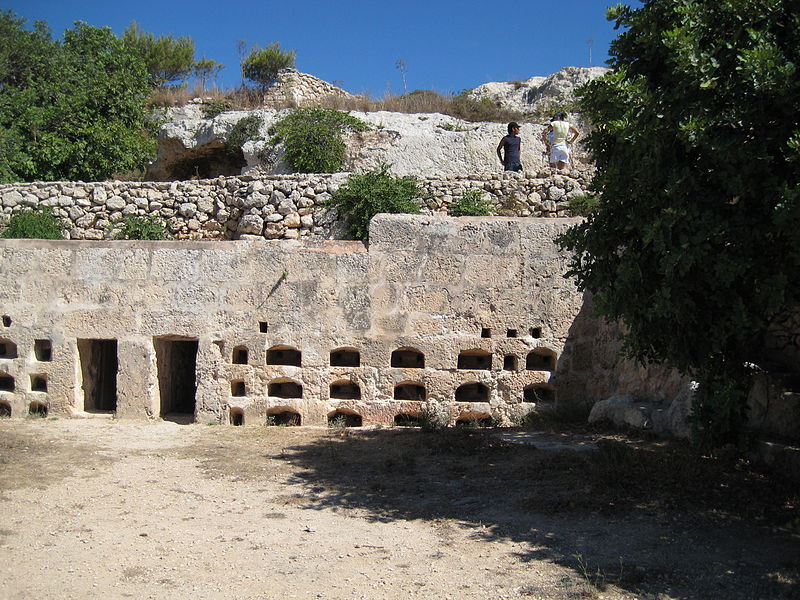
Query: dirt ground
98, 508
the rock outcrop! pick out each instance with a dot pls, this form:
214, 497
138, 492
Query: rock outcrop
539, 95
294, 88
424, 144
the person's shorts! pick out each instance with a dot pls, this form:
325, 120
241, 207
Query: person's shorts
514, 166
559, 153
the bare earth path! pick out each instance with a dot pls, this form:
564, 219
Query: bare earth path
102, 509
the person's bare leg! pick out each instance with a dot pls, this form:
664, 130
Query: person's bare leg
562, 165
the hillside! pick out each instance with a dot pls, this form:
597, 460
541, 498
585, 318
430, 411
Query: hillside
423, 144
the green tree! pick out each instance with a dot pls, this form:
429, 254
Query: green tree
261, 66
695, 242
206, 70
73, 110
313, 138
168, 60
364, 195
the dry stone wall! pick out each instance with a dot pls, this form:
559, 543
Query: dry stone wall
462, 318
269, 207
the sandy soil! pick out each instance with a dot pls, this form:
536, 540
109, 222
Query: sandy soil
104, 509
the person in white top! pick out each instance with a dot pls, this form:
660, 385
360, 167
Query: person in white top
557, 143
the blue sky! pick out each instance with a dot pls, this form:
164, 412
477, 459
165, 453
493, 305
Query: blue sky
447, 45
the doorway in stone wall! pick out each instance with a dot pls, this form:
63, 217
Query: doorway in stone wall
176, 363
99, 365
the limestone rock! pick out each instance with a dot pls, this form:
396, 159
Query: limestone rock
622, 410
539, 94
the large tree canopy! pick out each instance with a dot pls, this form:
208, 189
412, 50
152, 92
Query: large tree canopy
69, 111
695, 244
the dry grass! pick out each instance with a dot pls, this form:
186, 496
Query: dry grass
420, 101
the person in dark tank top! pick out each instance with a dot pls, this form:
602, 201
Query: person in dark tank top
509, 149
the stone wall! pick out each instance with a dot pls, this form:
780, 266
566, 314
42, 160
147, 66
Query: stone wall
268, 207
296, 89
467, 318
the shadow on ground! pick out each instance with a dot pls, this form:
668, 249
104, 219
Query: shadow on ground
649, 517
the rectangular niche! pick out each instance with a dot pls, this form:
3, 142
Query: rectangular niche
43, 350
99, 366
39, 383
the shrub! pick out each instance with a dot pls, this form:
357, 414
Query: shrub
471, 204
583, 205
313, 138
71, 110
215, 106
261, 66
245, 129
142, 228
38, 223
364, 195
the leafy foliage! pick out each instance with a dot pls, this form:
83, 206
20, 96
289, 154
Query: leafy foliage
313, 138
206, 69
216, 106
142, 228
245, 129
695, 242
70, 111
38, 223
167, 59
364, 195
471, 204
582, 205
261, 66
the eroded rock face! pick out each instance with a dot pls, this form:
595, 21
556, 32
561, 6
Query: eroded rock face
539, 95
430, 144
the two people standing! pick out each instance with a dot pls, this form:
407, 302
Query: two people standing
554, 136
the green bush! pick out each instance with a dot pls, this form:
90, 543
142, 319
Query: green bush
364, 195
72, 110
583, 205
261, 66
245, 129
213, 107
142, 228
471, 204
313, 138
38, 223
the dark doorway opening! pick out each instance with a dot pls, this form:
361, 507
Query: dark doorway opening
37, 409
5, 409
472, 392
237, 417
6, 383
285, 389
345, 357
345, 390
407, 420
408, 358
43, 350
285, 418
475, 359
539, 393
240, 355
409, 391
99, 365
341, 418
176, 361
